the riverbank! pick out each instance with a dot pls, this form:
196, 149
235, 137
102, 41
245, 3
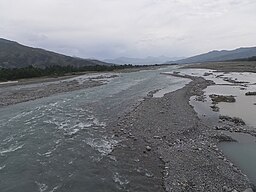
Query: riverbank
166, 137
23, 90
231, 66
31, 89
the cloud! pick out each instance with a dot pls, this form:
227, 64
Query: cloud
113, 28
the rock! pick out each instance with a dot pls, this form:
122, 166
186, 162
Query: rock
236, 120
207, 74
148, 148
223, 138
227, 189
215, 108
250, 93
248, 190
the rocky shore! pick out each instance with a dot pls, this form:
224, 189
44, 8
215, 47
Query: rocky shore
35, 89
228, 66
165, 137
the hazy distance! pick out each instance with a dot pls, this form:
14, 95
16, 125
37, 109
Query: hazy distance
136, 28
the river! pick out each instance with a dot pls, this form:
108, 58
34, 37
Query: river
60, 143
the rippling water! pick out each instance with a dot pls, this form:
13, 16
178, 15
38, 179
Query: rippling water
60, 143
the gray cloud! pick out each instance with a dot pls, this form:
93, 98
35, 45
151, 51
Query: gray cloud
137, 28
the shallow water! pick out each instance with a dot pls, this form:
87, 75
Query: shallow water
204, 110
243, 155
244, 107
243, 152
61, 143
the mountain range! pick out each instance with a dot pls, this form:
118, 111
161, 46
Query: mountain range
142, 61
15, 55
223, 55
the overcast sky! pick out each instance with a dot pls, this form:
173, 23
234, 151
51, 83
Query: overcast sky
135, 28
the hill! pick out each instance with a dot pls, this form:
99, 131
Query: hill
141, 61
15, 55
223, 55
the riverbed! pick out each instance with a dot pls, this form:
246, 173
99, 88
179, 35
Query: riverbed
236, 84
61, 143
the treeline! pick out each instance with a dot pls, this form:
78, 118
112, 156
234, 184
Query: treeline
7, 74
247, 59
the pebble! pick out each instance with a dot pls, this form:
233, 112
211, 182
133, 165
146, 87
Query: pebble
248, 190
148, 148
226, 189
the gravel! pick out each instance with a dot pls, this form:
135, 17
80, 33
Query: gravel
12, 95
175, 146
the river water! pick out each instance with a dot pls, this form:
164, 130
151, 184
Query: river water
60, 143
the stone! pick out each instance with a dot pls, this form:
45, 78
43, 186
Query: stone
226, 189
148, 148
248, 190
157, 137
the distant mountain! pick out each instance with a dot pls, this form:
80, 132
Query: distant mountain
15, 55
141, 61
223, 55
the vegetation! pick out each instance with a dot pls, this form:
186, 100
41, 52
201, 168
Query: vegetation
247, 59
250, 93
15, 55
7, 74
236, 120
222, 98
